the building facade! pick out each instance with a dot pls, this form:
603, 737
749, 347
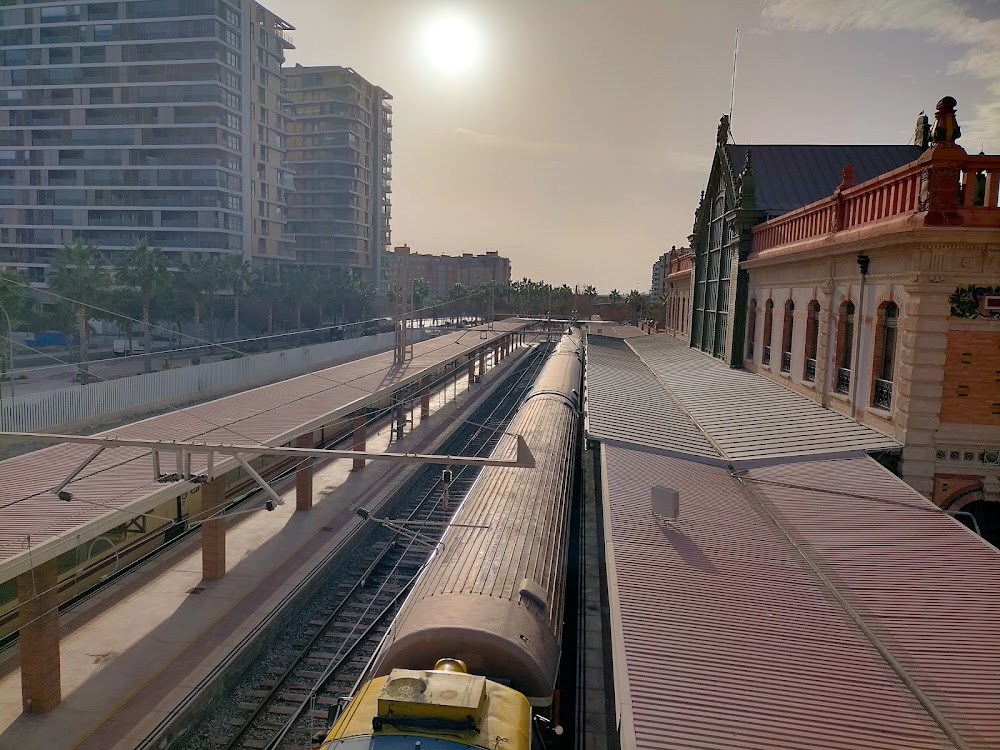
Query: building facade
442, 272
340, 147
676, 293
656, 280
134, 119
882, 301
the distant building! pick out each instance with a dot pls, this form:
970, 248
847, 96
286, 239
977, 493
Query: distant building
135, 119
676, 291
656, 282
340, 146
442, 272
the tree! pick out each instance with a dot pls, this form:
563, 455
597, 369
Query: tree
11, 303
239, 276
634, 302
201, 281
145, 270
79, 275
615, 298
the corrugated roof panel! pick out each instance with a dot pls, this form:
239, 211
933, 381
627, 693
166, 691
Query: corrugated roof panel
929, 587
748, 416
120, 477
730, 639
791, 176
626, 402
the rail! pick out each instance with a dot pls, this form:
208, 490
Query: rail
882, 396
278, 703
810, 369
942, 187
843, 380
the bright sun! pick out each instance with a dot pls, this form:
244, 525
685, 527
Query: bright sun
452, 44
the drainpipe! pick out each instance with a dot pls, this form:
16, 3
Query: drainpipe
863, 261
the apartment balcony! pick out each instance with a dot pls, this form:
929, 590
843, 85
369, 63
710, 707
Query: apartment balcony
882, 397
843, 380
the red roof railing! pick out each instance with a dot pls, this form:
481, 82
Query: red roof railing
944, 187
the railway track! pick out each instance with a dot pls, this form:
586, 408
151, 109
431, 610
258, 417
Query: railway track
289, 695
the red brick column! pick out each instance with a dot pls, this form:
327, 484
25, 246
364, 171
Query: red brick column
425, 397
304, 475
213, 531
360, 441
38, 621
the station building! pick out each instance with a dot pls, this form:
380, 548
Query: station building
866, 278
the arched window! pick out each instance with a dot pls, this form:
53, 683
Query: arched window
845, 345
768, 321
751, 327
786, 337
812, 340
885, 354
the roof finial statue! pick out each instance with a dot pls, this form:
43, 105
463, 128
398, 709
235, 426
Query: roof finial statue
846, 177
946, 130
746, 186
922, 131
722, 137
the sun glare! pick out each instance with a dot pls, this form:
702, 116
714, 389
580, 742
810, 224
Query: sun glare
452, 44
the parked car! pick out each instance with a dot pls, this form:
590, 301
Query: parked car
127, 347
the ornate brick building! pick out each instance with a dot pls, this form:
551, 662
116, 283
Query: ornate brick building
881, 300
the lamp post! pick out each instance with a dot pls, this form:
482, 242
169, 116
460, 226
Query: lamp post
863, 261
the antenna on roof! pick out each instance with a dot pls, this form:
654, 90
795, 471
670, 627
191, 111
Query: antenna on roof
732, 95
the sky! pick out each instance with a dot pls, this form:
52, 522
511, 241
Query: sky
575, 136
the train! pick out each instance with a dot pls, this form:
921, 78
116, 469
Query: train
472, 658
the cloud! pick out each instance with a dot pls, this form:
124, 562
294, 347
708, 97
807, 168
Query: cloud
945, 22
680, 161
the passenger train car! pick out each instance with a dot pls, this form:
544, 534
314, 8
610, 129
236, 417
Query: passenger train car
475, 650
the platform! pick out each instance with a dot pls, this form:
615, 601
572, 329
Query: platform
133, 653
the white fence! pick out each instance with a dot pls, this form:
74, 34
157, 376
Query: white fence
82, 404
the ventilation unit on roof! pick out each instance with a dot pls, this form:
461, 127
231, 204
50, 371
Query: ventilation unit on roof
665, 502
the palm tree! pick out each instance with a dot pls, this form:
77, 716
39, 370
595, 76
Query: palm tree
634, 302
202, 280
266, 284
79, 275
615, 299
144, 269
11, 302
238, 275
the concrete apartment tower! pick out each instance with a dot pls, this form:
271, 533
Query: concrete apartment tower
340, 146
142, 118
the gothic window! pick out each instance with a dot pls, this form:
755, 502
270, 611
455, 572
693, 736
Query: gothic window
786, 336
885, 354
845, 344
751, 327
712, 277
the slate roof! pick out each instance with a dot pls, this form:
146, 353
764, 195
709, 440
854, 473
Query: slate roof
792, 176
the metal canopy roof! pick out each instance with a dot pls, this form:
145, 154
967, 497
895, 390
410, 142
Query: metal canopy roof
819, 604
746, 416
118, 484
626, 402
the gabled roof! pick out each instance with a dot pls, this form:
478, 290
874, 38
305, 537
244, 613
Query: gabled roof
789, 177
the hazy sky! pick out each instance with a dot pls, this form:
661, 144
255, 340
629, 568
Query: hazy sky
578, 141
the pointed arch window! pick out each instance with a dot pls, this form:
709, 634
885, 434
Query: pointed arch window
812, 341
845, 345
751, 327
885, 354
768, 324
787, 330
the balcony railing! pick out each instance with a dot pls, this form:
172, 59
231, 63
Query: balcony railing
940, 187
843, 380
786, 361
810, 369
883, 394
766, 359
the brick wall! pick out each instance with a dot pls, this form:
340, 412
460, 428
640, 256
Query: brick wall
972, 378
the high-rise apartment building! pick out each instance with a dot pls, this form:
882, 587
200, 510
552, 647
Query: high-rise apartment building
340, 146
141, 118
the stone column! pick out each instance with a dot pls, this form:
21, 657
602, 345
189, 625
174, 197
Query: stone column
482, 364
919, 381
425, 397
38, 622
825, 343
360, 441
472, 369
304, 475
213, 531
